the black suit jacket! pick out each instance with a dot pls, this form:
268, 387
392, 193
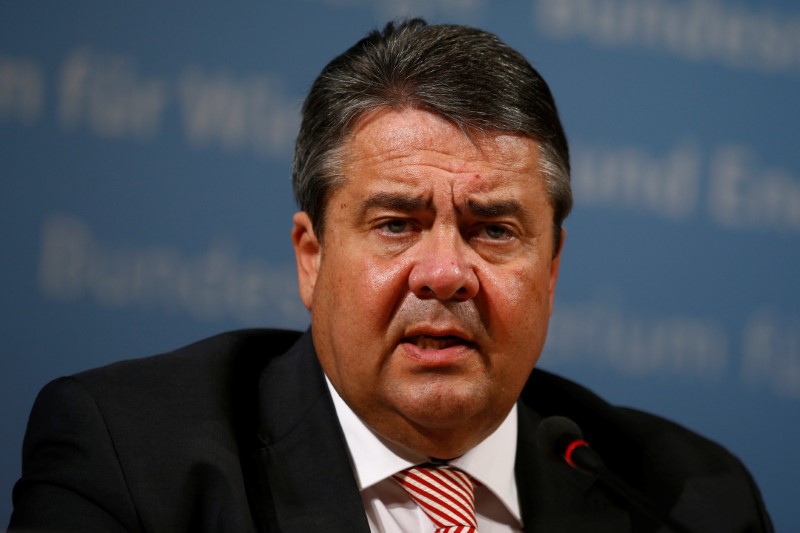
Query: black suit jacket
238, 433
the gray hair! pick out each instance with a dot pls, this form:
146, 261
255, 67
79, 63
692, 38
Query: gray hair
466, 75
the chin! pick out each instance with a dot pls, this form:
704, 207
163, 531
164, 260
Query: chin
443, 406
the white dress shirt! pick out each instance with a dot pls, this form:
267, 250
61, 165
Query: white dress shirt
390, 509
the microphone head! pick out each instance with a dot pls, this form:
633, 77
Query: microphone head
562, 440
555, 434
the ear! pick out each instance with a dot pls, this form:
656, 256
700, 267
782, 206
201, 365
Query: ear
307, 252
554, 266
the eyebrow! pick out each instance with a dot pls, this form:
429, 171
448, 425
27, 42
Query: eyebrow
410, 204
393, 202
494, 209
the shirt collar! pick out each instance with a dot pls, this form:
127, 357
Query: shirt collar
374, 459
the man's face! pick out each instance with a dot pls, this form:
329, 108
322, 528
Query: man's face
431, 290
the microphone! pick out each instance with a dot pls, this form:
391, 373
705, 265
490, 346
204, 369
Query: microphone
562, 440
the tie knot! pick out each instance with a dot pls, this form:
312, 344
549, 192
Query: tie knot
445, 494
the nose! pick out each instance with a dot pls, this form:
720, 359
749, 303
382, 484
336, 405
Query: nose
442, 270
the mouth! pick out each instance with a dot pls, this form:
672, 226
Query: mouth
435, 342
439, 351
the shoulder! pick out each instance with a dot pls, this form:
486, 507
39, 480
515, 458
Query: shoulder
230, 348
199, 381
617, 432
147, 439
673, 465
200, 368
186, 395
215, 379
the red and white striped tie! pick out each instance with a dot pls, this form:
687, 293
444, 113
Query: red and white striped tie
445, 494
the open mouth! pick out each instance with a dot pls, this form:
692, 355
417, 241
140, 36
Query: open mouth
427, 342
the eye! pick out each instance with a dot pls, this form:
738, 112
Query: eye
495, 232
395, 226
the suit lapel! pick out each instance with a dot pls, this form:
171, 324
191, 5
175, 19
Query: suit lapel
307, 482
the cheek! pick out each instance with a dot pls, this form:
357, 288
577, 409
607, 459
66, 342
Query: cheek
519, 316
517, 305
521, 287
383, 282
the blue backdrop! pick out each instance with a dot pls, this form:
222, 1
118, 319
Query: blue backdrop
145, 200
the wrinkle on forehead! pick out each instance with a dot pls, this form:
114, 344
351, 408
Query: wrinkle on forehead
409, 142
414, 157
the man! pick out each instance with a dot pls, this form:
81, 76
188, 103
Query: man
432, 174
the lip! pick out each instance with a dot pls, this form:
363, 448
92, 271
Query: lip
437, 348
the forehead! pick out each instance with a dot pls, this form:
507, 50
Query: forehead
413, 146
